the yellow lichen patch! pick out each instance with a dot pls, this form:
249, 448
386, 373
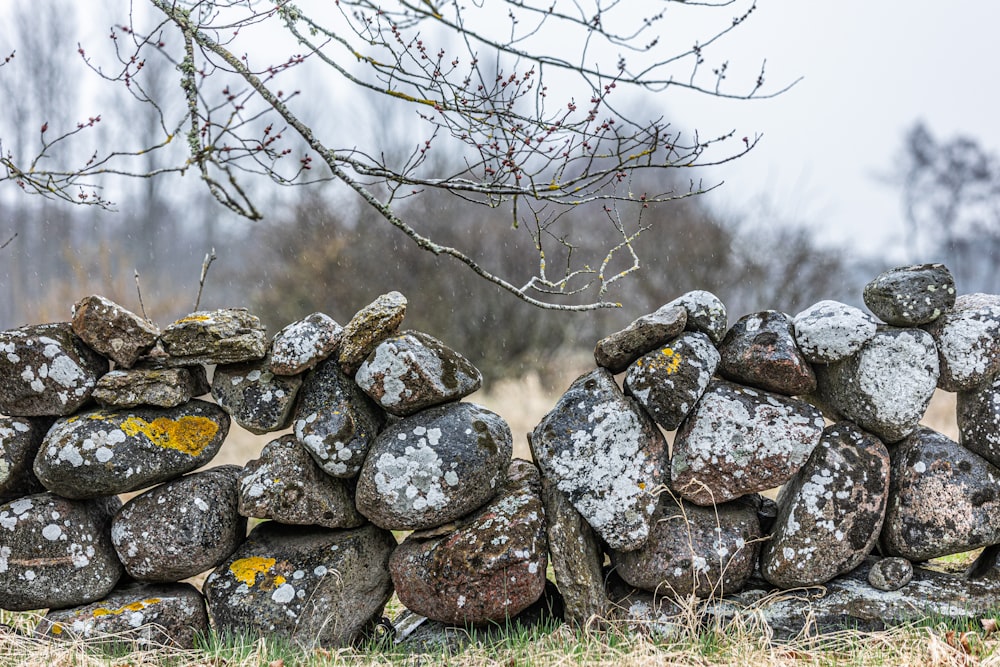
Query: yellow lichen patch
56, 629
132, 606
669, 362
189, 435
193, 318
246, 569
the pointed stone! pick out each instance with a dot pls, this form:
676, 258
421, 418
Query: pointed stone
649, 332
829, 331
968, 342
370, 326
760, 351
303, 344
909, 296
256, 398
117, 333
705, 313
224, 336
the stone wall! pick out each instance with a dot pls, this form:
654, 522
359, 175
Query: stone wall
824, 405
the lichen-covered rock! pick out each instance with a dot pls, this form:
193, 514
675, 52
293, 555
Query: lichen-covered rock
56, 552
370, 326
739, 440
139, 614
117, 333
46, 370
968, 342
181, 528
890, 574
692, 550
20, 438
576, 558
335, 421
886, 386
313, 586
606, 455
285, 484
490, 567
668, 381
225, 336
829, 331
303, 344
760, 351
412, 371
256, 399
911, 295
831, 512
617, 351
434, 467
978, 414
943, 499
705, 313
103, 452
157, 387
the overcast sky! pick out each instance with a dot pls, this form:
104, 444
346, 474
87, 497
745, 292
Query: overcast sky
871, 69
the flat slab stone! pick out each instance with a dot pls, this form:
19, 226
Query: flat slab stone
20, 438
45, 369
103, 452
645, 334
117, 333
968, 342
312, 586
602, 450
705, 313
256, 398
412, 371
182, 527
149, 615
156, 387
434, 467
285, 484
760, 351
370, 326
911, 295
978, 415
303, 344
56, 552
829, 331
739, 440
224, 336
831, 512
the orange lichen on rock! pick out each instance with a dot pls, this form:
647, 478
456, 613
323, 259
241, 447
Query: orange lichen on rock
132, 606
189, 434
246, 569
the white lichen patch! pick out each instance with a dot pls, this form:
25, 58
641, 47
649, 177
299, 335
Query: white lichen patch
897, 374
829, 331
414, 480
968, 343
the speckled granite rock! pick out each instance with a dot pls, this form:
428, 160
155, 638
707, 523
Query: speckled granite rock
434, 467
911, 295
978, 414
20, 438
829, 331
113, 331
370, 326
256, 399
303, 344
890, 574
606, 455
139, 614
760, 351
739, 440
181, 528
668, 381
968, 342
56, 552
46, 370
943, 499
225, 336
487, 568
617, 351
313, 586
886, 386
412, 371
286, 484
831, 512
156, 387
103, 452
705, 313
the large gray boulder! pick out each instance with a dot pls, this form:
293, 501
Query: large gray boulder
968, 342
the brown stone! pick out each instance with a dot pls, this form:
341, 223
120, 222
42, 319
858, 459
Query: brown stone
760, 351
643, 335
370, 326
117, 333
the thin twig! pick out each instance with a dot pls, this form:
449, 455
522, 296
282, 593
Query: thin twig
8, 241
138, 290
209, 258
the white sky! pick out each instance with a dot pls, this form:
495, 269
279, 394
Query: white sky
871, 70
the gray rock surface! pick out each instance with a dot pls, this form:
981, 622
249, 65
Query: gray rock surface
412, 371
103, 452
256, 399
45, 369
156, 387
224, 336
370, 326
829, 331
943, 499
739, 440
135, 615
56, 552
886, 386
20, 438
313, 586
831, 512
115, 332
181, 528
668, 381
335, 421
434, 467
968, 342
487, 568
978, 415
303, 344
603, 451
760, 351
911, 295
647, 333
705, 313
285, 484
890, 574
